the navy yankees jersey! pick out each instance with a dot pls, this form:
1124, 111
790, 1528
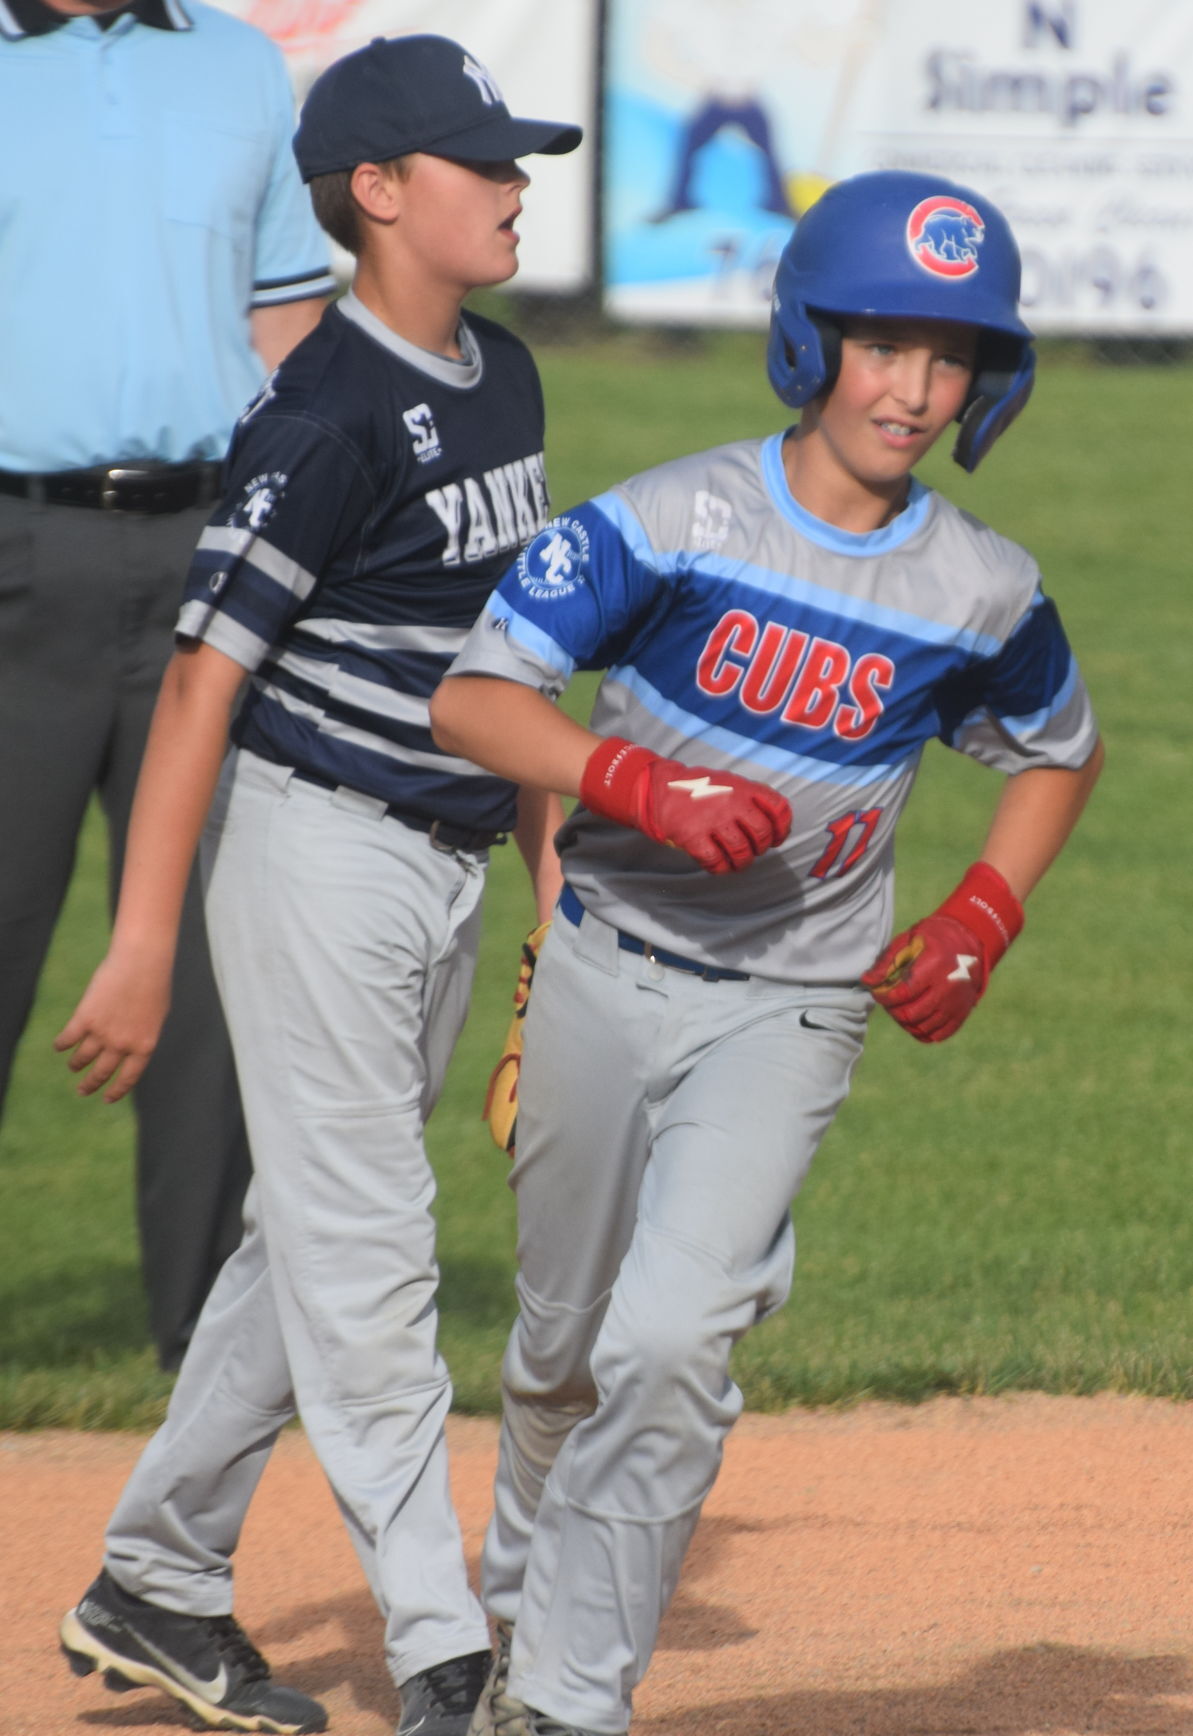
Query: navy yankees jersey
740, 632
374, 493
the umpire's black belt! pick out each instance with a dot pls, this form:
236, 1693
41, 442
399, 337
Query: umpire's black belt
571, 907
127, 487
443, 835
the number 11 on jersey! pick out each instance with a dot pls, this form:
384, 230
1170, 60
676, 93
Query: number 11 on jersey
840, 831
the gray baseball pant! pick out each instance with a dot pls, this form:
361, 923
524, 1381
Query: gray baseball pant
665, 1124
344, 946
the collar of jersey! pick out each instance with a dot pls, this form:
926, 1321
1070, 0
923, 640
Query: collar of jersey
464, 373
20, 18
843, 542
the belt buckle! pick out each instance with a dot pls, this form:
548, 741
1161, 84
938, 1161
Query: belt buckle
440, 844
109, 495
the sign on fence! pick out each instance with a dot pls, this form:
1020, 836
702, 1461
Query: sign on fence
726, 118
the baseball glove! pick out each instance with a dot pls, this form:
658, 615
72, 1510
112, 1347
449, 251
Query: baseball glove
501, 1099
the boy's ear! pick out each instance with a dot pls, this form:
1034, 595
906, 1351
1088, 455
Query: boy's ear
375, 191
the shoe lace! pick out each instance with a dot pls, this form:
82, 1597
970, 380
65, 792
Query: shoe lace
235, 1646
455, 1686
501, 1661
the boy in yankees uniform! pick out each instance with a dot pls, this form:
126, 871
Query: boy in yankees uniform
374, 492
785, 622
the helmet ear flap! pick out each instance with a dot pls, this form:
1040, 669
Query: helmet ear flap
829, 333
803, 354
1002, 385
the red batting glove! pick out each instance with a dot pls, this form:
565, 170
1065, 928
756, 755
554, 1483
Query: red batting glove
720, 819
932, 977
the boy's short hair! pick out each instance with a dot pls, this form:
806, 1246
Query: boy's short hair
335, 204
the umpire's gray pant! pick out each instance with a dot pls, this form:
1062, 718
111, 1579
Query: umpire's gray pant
664, 1125
88, 602
344, 946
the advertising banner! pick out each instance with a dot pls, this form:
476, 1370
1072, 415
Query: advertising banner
725, 121
543, 57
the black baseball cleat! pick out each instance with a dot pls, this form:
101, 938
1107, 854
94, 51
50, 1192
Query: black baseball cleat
440, 1701
206, 1662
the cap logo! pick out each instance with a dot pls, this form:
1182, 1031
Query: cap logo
944, 236
483, 80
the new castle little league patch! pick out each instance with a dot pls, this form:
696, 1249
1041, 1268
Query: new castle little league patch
552, 565
945, 235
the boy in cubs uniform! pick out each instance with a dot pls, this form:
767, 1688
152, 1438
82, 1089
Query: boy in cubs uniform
373, 493
785, 622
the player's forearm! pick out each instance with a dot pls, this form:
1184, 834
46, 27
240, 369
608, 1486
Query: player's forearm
1035, 815
178, 775
540, 815
512, 730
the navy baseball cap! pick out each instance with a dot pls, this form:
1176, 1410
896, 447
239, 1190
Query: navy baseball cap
414, 93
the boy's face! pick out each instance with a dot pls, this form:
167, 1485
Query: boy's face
900, 384
456, 222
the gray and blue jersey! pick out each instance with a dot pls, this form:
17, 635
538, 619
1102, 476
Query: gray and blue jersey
738, 631
374, 494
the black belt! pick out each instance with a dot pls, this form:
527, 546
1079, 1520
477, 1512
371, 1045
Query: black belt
571, 907
127, 487
443, 835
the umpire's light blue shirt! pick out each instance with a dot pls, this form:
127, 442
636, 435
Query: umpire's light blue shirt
148, 200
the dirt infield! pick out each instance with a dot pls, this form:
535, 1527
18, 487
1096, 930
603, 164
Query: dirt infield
1015, 1565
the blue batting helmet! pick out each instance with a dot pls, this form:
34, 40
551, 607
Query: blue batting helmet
911, 246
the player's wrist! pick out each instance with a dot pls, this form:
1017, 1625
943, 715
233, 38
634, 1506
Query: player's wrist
985, 904
610, 783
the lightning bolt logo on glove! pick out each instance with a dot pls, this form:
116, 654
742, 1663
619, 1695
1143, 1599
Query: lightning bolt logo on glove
722, 820
699, 788
931, 977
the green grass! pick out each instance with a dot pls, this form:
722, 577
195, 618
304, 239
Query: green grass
1007, 1211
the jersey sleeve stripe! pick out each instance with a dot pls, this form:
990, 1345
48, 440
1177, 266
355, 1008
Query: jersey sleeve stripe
298, 289
215, 627
254, 551
1031, 723
553, 657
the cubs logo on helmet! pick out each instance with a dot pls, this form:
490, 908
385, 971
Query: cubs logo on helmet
945, 236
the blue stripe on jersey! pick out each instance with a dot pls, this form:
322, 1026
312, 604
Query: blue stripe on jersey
824, 689
708, 643
748, 747
775, 584
629, 528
